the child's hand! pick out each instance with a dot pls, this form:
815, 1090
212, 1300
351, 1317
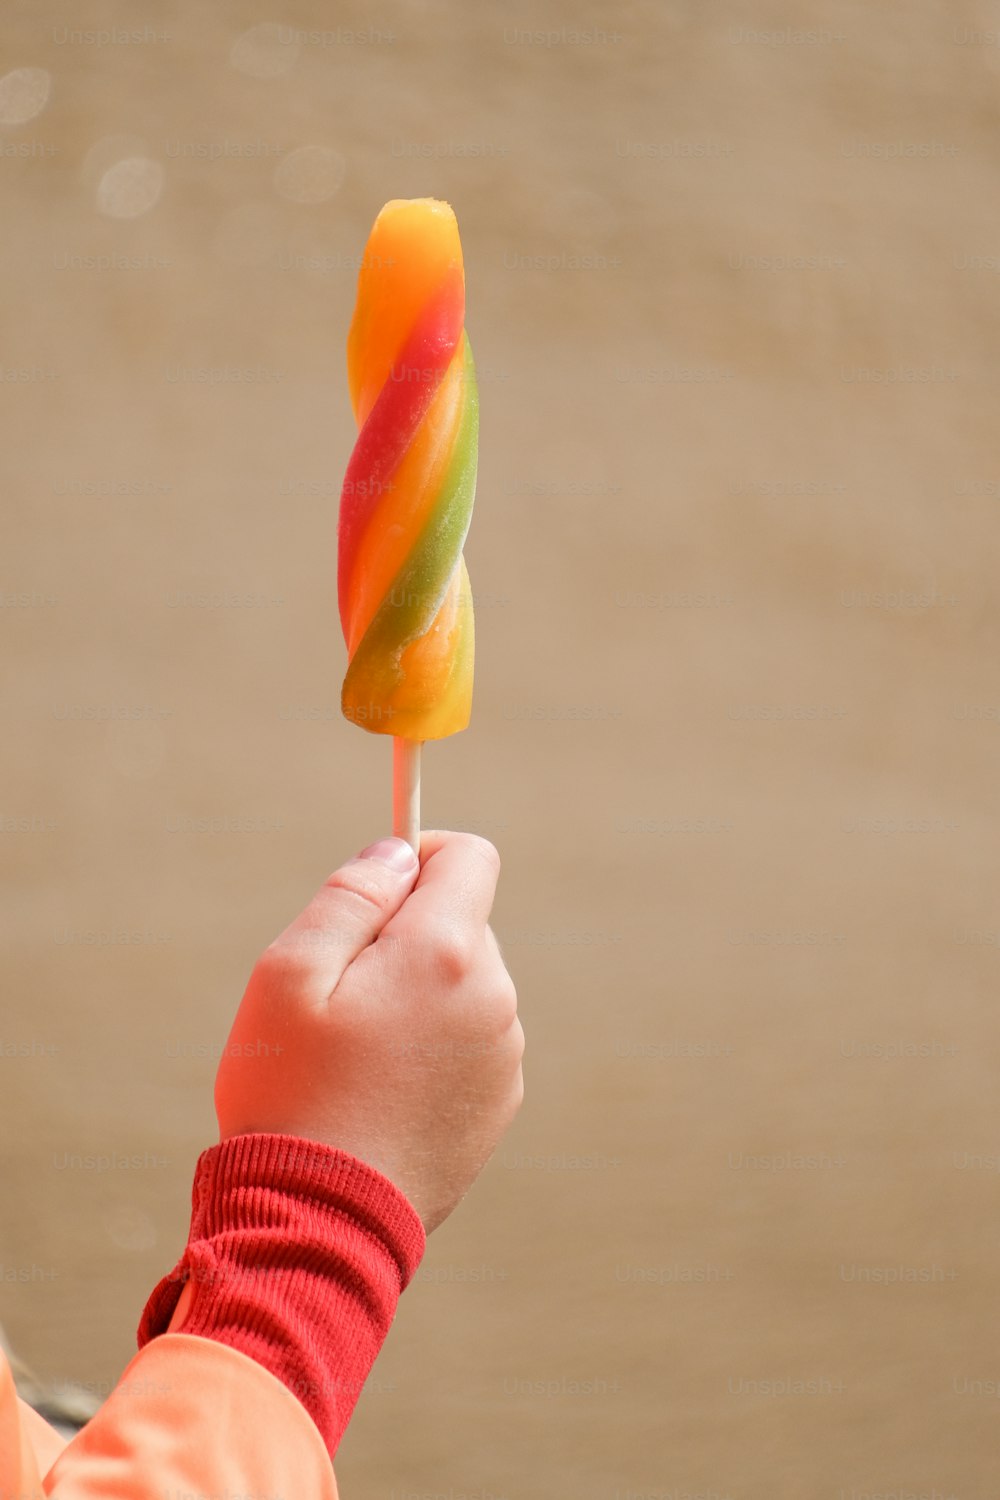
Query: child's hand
383, 1022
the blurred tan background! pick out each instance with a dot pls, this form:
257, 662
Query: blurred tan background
732, 290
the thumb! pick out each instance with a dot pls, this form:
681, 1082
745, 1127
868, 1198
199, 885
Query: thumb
349, 911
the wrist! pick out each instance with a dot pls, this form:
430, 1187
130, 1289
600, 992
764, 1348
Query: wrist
297, 1256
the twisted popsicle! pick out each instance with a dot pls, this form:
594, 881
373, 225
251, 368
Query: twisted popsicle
405, 601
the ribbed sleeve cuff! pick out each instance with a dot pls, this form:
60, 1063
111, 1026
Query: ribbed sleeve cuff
297, 1255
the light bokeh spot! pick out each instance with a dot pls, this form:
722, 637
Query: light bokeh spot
265, 51
24, 93
107, 152
129, 188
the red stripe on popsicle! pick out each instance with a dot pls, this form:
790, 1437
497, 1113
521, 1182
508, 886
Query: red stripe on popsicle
399, 409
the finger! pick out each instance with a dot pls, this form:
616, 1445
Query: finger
456, 887
345, 916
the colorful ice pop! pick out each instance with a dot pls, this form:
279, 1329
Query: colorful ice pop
405, 601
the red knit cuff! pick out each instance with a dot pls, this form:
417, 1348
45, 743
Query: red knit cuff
297, 1254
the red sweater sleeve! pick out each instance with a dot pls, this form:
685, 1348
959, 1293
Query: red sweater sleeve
297, 1255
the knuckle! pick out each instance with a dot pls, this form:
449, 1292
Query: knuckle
505, 1004
454, 953
483, 850
514, 1041
271, 963
449, 946
360, 888
279, 968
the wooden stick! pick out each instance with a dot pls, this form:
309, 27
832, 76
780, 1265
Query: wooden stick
406, 791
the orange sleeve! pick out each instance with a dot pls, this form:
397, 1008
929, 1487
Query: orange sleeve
188, 1415
18, 1464
46, 1442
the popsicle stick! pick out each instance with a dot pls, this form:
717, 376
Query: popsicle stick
406, 791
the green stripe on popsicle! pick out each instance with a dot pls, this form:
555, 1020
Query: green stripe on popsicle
418, 590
